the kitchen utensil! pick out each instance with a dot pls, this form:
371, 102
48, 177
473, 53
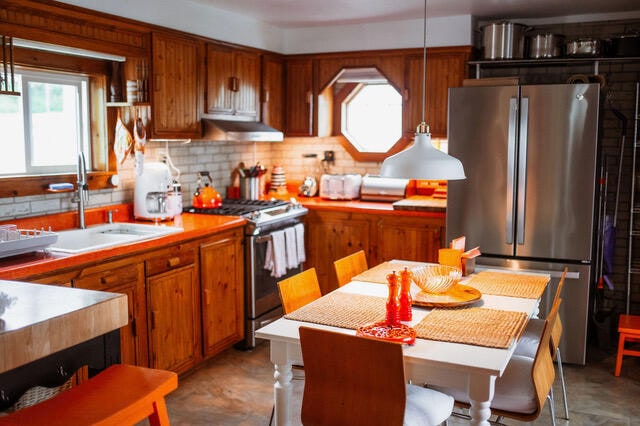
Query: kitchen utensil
547, 45
436, 278
627, 44
123, 141
503, 40
584, 46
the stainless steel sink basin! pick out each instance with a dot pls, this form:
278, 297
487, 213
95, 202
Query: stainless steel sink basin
107, 235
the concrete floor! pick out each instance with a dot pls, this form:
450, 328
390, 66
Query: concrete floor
235, 388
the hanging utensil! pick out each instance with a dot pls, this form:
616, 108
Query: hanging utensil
123, 141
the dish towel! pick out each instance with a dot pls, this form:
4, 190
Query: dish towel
275, 257
291, 248
299, 229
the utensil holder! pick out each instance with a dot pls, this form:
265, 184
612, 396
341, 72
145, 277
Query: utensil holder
250, 188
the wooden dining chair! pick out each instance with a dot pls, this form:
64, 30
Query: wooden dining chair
526, 383
353, 380
298, 290
350, 266
530, 339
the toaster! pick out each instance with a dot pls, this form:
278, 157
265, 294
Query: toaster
340, 187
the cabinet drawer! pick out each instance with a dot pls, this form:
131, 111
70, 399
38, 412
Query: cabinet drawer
108, 278
172, 258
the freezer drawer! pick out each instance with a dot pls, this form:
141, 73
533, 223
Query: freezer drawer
574, 310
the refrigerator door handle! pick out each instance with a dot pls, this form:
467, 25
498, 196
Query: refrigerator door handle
511, 166
522, 169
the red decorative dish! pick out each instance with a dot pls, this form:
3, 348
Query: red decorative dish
381, 330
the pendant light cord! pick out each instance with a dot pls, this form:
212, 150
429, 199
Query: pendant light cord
424, 60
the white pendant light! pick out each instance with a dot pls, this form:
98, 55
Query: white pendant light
422, 160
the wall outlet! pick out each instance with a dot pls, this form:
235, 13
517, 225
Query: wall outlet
329, 157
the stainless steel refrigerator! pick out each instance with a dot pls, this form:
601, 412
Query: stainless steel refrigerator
529, 200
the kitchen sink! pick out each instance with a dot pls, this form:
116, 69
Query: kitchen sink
107, 235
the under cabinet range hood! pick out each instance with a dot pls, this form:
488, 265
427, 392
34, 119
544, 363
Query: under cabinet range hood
239, 131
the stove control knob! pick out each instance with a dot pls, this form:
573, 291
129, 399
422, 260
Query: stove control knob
254, 215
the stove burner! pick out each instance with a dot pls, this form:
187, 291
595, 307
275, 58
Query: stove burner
234, 207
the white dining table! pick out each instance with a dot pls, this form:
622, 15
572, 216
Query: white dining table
469, 367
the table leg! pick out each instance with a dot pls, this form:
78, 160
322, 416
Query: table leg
282, 390
481, 390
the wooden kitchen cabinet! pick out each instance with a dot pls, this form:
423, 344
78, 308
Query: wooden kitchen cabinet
446, 67
176, 94
272, 97
173, 308
408, 238
221, 278
128, 278
332, 235
233, 83
299, 101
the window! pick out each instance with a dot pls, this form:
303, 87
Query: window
372, 117
45, 127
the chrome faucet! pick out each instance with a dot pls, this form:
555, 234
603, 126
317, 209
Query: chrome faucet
82, 190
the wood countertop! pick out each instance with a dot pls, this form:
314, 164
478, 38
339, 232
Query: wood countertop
39, 262
45, 319
373, 207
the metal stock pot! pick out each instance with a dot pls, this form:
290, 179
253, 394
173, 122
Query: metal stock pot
547, 45
503, 40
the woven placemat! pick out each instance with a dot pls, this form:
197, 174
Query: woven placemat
474, 326
342, 310
526, 286
378, 274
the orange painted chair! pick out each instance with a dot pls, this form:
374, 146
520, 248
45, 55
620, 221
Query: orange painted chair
298, 290
629, 329
350, 266
120, 395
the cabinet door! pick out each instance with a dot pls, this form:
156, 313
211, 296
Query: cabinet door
273, 91
408, 238
221, 278
446, 67
299, 118
175, 84
219, 79
247, 96
126, 278
331, 236
173, 315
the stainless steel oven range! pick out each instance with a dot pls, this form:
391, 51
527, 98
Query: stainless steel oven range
262, 300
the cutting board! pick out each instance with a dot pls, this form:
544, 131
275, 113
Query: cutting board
421, 203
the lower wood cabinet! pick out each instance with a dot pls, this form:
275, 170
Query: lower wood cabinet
127, 278
186, 301
332, 235
221, 269
172, 306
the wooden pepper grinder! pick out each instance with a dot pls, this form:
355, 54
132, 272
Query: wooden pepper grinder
405, 295
393, 305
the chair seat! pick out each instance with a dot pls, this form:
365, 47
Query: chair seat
530, 339
426, 406
514, 391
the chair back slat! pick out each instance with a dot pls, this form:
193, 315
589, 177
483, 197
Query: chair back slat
350, 266
299, 290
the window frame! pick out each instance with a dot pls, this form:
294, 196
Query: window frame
102, 159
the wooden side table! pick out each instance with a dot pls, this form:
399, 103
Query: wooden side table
629, 329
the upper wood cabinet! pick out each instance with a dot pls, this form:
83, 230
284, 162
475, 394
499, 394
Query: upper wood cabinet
272, 97
233, 82
299, 104
446, 67
176, 94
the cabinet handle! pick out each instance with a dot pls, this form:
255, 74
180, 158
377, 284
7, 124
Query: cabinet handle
265, 95
309, 97
153, 320
233, 84
172, 262
107, 279
207, 297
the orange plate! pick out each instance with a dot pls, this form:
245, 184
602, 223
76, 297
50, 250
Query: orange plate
458, 295
380, 330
